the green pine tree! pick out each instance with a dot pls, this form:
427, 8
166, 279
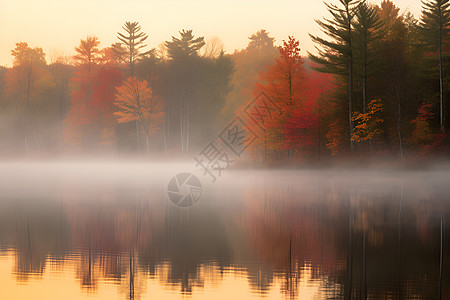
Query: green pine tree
336, 55
368, 27
434, 31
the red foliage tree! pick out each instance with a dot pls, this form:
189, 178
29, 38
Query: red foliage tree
300, 94
422, 136
90, 120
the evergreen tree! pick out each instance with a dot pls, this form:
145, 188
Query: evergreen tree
336, 55
88, 52
260, 41
396, 82
130, 50
368, 27
259, 55
184, 67
434, 28
88, 55
186, 46
131, 44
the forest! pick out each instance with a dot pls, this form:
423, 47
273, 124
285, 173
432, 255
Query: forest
377, 84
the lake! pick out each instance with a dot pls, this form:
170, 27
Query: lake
109, 230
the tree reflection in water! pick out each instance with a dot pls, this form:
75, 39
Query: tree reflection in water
285, 231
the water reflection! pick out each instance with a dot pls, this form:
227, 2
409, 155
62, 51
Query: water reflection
307, 235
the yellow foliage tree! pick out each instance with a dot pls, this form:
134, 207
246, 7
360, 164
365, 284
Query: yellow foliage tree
368, 125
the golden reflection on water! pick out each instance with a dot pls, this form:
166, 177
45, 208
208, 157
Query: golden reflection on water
285, 235
63, 281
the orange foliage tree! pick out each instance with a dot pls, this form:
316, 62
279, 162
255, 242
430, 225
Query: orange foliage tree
135, 101
368, 125
283, 83
335, 137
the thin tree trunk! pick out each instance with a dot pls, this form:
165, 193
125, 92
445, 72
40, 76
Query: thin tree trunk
61, 119
187, 126
131, 287
365, 78
399, 120
348, 290
39, 140
147, 140
138, 135
165, 139
27, 108
441, 258
350, 77
181, 127
29, 86
350, 100
265, 144
26, 139
363, 292
441, 85
398, 257
320, 122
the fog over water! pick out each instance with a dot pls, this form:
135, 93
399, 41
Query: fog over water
268, 160
107, 229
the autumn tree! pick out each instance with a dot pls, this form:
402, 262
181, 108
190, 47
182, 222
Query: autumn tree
28, 84
87, 57
334, 137
284, 83
26, 60
320, 105
336, 55
259, 54
422, 137
130, 49
107, 78
88, 53
90, 121
78, 123
434, 27
286, 77
135, 102
368, 126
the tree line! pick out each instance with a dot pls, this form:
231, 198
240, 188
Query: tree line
377, 83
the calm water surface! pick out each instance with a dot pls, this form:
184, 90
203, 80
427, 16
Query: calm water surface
107, 231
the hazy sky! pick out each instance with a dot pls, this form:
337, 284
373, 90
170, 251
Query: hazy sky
58, 25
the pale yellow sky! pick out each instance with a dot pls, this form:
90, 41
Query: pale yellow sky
58, 25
